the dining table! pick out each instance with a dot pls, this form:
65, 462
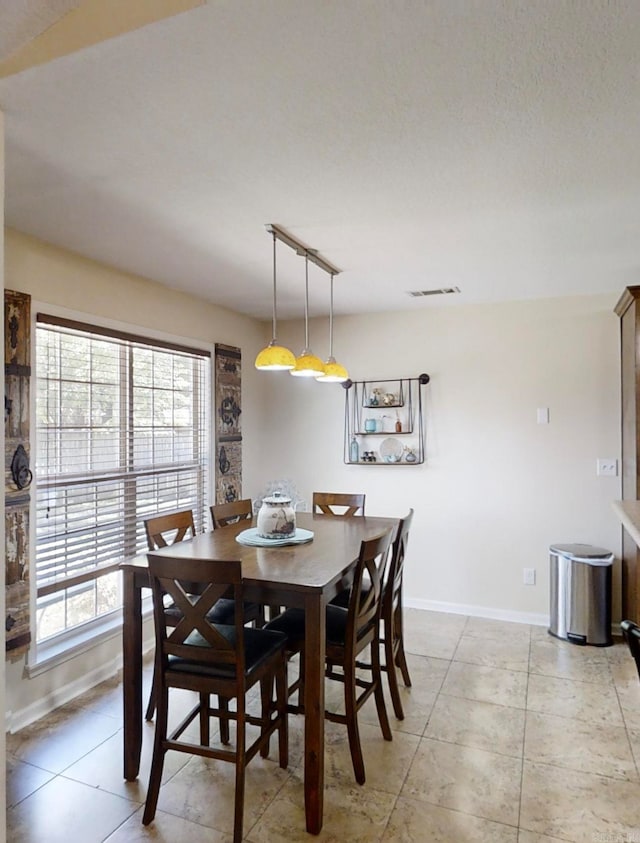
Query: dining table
303, 575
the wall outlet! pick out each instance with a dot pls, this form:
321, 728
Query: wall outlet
529, 576
607, 468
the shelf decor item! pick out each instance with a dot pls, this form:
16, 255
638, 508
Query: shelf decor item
391, 450
366, 403
276, 517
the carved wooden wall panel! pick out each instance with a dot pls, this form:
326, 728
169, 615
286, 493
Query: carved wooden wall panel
17, 473
228, 403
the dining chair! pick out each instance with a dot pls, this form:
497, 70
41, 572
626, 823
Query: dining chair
339, 504
392, 620
226, 660
349, 631
392, 636
631, 634
163, 531
223, 514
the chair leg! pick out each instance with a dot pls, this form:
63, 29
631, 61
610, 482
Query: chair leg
204, 720
398, 636
151, 705
266, 701
351, 714
223, 705
238, 814
157, 760
376, 671
281, 703
392, 677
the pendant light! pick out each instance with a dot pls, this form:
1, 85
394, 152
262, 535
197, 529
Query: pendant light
307, 364
333, 372
275, 357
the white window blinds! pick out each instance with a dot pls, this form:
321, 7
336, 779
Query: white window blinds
122, 434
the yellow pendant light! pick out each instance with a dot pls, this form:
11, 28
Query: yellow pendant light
275, 357
307, 364
333, 372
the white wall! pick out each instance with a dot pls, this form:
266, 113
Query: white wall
497, 488
55, 278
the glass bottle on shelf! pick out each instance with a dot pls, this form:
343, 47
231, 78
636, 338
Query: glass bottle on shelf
354, 450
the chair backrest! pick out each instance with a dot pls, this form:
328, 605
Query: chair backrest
340, 504
393, 584
194, 586
365, 603
631, 634
228, 513
165, 530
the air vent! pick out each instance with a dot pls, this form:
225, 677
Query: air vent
442, 291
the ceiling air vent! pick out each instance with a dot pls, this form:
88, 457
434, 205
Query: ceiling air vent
439, 292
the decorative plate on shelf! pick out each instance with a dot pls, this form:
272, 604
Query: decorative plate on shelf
391, 450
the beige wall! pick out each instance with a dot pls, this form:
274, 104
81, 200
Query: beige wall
497, 488
58, 279
3, 773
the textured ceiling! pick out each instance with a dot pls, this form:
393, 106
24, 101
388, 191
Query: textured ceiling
23, 20
491, 146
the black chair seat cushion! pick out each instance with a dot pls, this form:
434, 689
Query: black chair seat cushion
222, 612
291, 623
259, 645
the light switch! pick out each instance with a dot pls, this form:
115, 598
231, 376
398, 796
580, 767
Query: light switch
543, 415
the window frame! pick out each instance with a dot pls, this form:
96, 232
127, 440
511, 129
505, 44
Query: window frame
69, 642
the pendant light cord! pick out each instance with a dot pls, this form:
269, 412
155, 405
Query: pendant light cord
331, 319
306, 300
273, 322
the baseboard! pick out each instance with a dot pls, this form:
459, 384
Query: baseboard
16, 720
479, 612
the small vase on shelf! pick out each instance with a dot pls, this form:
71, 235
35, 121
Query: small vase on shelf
354, 450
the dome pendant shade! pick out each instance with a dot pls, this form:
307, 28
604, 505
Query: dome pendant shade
307, 364
333, 372
275, 357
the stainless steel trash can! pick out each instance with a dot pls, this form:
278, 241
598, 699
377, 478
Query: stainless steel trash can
581, 594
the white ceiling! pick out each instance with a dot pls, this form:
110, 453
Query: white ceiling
489, 145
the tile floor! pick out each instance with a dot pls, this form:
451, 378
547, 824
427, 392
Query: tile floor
510, 736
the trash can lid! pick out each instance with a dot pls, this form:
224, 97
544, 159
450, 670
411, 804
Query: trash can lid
583, 552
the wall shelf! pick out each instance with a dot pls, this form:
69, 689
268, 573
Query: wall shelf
367, 418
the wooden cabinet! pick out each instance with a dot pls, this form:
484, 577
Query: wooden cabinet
628, 309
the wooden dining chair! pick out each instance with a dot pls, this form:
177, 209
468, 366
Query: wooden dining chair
338, 504
223, 514
631, 634
392, 635
163, 531
226, 660
392, 620
349, 631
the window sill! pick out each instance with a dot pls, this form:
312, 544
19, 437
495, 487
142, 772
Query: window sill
60, 649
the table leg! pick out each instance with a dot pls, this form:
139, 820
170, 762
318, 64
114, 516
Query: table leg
314, 655
132, 674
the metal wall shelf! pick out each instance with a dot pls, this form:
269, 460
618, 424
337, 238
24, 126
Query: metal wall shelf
364, 406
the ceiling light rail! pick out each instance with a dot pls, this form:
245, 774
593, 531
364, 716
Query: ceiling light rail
300, 249
275, 356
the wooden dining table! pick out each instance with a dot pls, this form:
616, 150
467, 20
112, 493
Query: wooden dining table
306, 576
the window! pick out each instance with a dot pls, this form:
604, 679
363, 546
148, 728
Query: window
122, 434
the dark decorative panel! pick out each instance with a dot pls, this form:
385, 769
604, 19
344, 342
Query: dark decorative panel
228, 409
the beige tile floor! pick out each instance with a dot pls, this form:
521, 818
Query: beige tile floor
510, 736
